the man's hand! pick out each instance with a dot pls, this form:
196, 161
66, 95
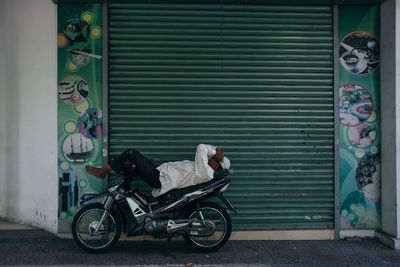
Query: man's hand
214, 164
219, 156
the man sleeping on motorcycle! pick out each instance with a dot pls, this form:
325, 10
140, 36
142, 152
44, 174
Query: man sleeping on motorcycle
170, 175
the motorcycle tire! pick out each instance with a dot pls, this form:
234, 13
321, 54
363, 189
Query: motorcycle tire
221, 220
84, 223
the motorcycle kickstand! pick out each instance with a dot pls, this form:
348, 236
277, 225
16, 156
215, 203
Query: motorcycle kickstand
166, 252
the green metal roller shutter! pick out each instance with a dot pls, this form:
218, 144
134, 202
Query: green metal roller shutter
255, 80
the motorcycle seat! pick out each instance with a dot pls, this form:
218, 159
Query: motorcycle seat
174, 193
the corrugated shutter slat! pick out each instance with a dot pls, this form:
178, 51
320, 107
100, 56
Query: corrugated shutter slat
255, 79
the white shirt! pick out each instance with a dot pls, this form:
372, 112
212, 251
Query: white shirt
185, 173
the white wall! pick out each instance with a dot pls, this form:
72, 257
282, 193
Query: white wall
390, 116
28, 113
3, 117
397, 118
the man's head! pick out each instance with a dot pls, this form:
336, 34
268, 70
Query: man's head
219, 161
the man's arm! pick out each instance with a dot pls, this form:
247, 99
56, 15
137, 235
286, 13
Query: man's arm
202, 169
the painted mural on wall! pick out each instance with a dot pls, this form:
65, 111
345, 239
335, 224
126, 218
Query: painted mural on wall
80, 118
359, 92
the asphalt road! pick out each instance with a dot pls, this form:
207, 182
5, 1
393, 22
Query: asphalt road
38, 247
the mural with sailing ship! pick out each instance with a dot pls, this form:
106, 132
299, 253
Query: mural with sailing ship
77, 148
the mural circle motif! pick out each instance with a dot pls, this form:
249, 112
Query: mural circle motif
64, 166
90, 123
76, 31
62, 41
367, 176
77, 148
70, 126
80, 57
356, 104
87, 16
359, 53
96, 32
82, 107
362, 136
73, 90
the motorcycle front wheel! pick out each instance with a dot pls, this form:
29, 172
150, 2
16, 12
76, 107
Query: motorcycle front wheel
90, 235
217, 223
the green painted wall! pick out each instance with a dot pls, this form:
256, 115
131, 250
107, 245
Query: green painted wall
80, 103
359, 91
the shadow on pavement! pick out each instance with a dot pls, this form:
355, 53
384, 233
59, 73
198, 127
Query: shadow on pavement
38, 247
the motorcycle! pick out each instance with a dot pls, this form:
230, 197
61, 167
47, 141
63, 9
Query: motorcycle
183, 212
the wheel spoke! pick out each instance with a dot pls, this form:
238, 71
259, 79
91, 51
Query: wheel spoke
214, 219
87, 225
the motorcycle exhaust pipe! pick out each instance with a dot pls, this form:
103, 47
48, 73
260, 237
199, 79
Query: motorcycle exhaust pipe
179, 224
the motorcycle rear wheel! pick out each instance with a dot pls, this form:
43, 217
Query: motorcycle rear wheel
87, 220
217, 217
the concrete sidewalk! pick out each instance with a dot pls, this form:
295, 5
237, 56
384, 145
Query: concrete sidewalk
30, 246
5, 225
